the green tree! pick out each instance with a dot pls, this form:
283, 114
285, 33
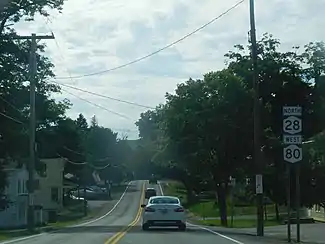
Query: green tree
93, 121
82, 123
100, 145
14, 92
206, 129
17, 10
3, 183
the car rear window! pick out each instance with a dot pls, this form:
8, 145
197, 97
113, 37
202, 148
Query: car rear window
151, 190
167, 200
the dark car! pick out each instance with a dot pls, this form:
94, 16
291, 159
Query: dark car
150, 192
153, 181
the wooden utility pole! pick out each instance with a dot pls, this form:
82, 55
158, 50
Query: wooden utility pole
32, 124
257, 127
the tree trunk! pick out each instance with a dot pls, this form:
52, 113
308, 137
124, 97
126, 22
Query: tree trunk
221, 191
189, 192
277, 215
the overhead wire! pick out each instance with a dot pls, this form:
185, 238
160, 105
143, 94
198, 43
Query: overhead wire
96, 105
159, 50
11, 118
102, 96
46, 19
85, 163
82, 154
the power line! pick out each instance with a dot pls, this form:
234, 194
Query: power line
10, 104
46, 19
96, 105
71, 78
82, 154
103, 96
157, 51
11, 118
85, 163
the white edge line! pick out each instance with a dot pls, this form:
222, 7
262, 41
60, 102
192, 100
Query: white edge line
83, 224
216, 233
109, 212
22, 239
205, 228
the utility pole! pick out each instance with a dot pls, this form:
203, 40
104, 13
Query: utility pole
32, 124
257, 127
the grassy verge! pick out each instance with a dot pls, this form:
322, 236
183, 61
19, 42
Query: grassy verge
209, 209
238, 223
5, 235
75, 214
244, 217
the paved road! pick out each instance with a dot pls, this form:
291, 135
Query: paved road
100, 231
109, 229
192, 235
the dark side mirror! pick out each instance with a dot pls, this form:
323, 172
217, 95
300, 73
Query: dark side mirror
143, 205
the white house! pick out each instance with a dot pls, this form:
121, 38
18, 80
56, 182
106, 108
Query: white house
16, 214
50, 192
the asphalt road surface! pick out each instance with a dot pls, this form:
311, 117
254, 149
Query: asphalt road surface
123, 226
99, 231
192, 235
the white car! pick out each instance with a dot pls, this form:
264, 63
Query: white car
163, 211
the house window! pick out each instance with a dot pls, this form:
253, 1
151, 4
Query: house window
21, 211
19, 186
55, 194
317, 208
25, 184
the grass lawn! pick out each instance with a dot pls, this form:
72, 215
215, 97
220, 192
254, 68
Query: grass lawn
74, 216
177, 189
209, 208
238, 223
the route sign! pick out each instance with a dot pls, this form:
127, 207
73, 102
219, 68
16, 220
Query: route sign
292, 125
292, 128
259, 184
292, 153
292, 111
292, 139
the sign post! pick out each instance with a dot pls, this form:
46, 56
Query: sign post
292, 154
233, 185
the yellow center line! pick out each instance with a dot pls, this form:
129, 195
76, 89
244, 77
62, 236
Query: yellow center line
119, 235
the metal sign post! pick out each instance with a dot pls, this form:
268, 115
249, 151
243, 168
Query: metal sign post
233, 185
292, 154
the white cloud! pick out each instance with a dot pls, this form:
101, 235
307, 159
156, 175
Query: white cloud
95, 35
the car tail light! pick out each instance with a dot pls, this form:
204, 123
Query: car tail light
179, 210
149, 210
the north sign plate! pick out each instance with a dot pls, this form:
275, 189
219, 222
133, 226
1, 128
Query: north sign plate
292, 154
292, 111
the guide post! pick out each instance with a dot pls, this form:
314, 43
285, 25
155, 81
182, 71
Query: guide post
292, 154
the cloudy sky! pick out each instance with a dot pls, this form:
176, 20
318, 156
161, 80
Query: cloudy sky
97, 35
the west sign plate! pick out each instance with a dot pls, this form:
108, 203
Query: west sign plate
292, 139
